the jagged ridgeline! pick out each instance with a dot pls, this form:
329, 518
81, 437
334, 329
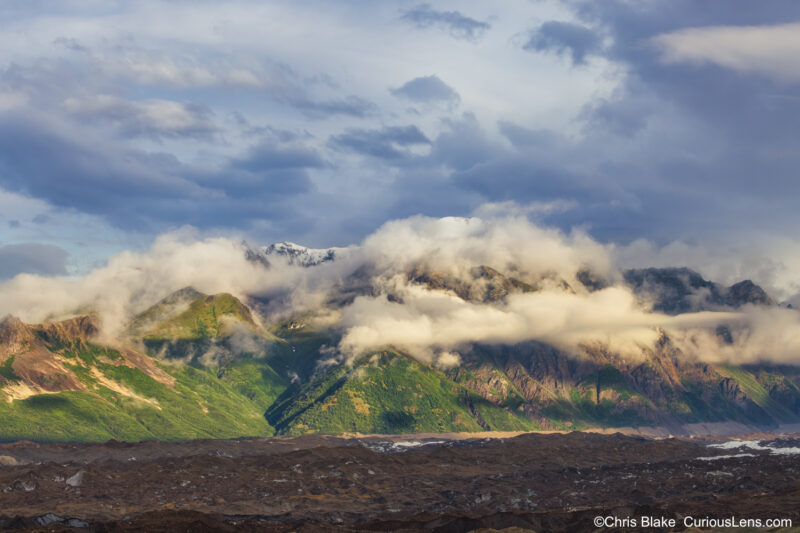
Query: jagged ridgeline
200, 365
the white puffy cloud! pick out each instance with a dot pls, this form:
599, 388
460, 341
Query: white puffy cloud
430, 322
510, 244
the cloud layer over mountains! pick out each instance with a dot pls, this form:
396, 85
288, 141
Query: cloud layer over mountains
370, 294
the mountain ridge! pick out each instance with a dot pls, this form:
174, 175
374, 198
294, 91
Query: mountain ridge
206, 360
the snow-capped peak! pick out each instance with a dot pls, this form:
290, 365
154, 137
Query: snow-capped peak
297, 254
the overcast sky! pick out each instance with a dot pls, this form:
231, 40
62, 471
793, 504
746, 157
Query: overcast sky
317, 121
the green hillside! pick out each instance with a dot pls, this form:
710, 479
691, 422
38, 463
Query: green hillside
125, 403
387, 393
207, 317
213, 372
190, 326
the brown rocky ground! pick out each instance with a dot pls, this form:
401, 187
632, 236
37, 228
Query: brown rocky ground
536, 482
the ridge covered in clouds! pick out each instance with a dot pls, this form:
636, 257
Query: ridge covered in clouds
431, 287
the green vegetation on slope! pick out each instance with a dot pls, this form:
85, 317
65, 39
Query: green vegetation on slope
196, 328
125, 403
206, 318
388, 393
254, 379
228, 390
615, 404
7, 370
757, 393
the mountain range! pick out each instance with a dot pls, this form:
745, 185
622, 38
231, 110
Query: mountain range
196, 365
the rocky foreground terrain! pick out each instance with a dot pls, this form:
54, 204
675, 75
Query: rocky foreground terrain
532, 482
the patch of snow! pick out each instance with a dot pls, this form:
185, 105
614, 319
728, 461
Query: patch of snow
735, 444
785, 451
398, 446
717, 457
754, 445
296, 254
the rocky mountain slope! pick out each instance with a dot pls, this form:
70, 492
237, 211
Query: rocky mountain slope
61, 382
196, 365
680, 290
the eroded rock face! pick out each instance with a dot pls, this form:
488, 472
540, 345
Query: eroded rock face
663, 388
39, 353
15, 337
480, 284
747, 292
681, 290
77, 329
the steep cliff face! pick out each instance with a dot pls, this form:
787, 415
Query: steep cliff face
598, 387
747, 292
480, 284
70, 331
31, 367
57, 356
681, 290
15, 337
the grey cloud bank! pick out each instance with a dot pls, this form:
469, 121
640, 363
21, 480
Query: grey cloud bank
564, 37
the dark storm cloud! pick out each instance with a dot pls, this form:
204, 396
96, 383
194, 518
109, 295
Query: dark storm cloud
269, 155
149, 190
40, 159
463, 144
32, 258
522, 137
466, 167
564, 38
427, 89
621, 117
268, 170
391, 142
707, 138
536, 166
458, 25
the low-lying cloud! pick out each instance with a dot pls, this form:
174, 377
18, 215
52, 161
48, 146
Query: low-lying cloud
386, 307
428, 323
